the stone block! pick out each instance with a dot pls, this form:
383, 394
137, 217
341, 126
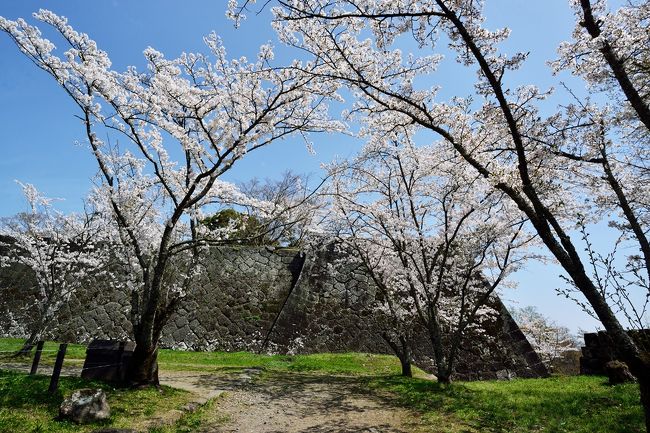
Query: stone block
85, 406
107, 360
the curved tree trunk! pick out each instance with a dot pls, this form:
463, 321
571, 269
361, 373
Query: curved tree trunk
29, 344
402, 351
406, 367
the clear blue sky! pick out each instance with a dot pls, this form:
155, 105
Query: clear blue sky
38, 129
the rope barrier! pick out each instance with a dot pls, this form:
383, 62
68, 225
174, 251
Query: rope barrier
17, 350
100, 366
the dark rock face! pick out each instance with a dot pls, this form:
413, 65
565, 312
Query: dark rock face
281, 301
599, 350
85, 406
107, 360
618, 372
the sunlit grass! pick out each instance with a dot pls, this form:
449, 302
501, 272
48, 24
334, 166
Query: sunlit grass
579, 404
26, 406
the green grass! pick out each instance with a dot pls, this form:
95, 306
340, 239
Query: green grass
322, 363
559, 404
26, 406
176, 360
578, 404
8, 346
205, 418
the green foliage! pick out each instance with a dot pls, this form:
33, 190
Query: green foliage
223, 219
246, 229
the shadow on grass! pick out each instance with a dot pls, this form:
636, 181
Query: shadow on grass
559, 404
18, 390
25, 404
344, 403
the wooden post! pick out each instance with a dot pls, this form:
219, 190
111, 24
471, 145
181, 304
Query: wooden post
58, 364
120, 360
37, 357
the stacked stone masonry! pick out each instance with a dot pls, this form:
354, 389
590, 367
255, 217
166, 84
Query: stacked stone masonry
599, 350
254, 295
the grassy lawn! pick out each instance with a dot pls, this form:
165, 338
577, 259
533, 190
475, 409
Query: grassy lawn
578, 404
176, 360
25, 405
557, 404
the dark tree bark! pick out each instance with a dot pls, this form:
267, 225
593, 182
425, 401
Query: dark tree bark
402, 351
143, 366
616, 64
644, 386
28, 345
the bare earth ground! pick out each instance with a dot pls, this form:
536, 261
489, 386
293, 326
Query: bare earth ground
292, 403
284, 403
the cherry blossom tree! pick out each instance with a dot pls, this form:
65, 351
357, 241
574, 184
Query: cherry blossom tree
436, 242
63, 253
173, 130
610, 52
497, 129
549, 339
294, 204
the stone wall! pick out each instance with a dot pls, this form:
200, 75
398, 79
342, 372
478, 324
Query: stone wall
599, 350
253, 297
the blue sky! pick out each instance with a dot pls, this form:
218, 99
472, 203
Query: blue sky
38, 130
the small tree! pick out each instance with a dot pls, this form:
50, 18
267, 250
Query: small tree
436, 244
289, 207
549, 339
293, 202
63, 253
214, 110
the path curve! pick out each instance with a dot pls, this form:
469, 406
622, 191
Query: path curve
285, 402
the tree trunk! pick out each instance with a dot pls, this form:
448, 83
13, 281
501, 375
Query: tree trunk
402, 351
29, 344
405, 358
406, 367
143, 366
443, 377
641, 370
644, 386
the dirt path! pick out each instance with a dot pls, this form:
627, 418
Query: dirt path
256, 402
298, 403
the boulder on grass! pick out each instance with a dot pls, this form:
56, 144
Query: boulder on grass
85, 406
618, 372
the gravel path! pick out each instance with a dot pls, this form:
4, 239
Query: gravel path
293, 403
284, 403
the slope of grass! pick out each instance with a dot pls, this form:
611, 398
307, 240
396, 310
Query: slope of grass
319, 363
